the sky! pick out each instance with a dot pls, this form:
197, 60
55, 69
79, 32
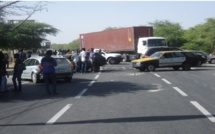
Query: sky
76, 17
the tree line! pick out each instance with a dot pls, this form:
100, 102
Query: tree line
200, 37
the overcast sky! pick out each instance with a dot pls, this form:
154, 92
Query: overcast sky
73, 17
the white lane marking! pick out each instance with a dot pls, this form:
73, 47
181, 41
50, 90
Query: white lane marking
157, 75
166, 81
97, 76
58, 115
180, 91
203, 110
91, 83
81, 93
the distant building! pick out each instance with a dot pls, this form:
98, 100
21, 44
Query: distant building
19, 21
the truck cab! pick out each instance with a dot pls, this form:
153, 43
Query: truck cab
147, 42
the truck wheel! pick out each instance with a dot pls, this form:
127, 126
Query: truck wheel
111, 61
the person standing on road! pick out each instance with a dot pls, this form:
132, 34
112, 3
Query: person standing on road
83, 56
17, 73
3, 74
48, 67
76, 60
22, 55
91, 58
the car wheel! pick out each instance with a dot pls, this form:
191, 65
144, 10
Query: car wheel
34, 78
212, 61
111, 61
68, 79
150, 67
199, 63
176, 68
186, 66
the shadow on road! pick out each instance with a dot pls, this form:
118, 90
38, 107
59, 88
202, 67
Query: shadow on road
118, 120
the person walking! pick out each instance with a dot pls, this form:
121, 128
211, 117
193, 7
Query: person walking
22, 55
76, 60
48, 67
83, 56
3, 74
17, 73
91, 58
6, 57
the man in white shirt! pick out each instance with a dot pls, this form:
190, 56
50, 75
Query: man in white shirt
83, 55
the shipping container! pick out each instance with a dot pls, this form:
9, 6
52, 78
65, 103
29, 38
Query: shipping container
123, 40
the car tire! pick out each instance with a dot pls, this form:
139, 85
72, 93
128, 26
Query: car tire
150, 68
199, 63
176, 68
35, 78
212, 61
186, 66
111, 61
68, 79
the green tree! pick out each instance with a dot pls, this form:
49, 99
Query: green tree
28, 35
201, 37
171, 31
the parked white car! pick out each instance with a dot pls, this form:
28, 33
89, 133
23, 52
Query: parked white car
111, 58
63, 70
211, 59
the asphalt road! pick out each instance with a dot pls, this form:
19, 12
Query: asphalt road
117, 100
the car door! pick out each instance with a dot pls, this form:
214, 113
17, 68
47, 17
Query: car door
166, 60
33, 65
24, 73
178, 58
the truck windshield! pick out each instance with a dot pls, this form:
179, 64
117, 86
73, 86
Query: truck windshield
156, 42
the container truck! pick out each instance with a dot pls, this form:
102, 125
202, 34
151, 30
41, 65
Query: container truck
131, 42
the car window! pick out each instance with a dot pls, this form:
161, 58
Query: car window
177, 54
189, 54
32, 61
61, 61
27, 62
156, 55
37, 62
168, 55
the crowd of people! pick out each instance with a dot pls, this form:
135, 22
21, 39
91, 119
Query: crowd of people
86, 61
17, 72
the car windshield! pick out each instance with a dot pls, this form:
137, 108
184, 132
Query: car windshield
156, 55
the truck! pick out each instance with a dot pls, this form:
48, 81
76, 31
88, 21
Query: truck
131, 42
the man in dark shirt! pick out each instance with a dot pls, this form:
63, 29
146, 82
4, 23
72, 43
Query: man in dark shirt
17, 73
48, 67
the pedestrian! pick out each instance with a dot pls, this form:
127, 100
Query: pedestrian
3, 74
91, 59
76, 60
6, 57
17, 73
48, 67
22, 55
83, 56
